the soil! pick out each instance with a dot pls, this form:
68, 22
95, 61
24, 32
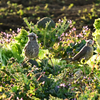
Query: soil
80, 12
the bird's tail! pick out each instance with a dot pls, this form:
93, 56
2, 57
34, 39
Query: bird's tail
68, 59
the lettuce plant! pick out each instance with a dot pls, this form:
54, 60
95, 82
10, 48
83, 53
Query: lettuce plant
14, 48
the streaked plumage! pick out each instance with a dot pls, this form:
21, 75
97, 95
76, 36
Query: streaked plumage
32, 47
85, 53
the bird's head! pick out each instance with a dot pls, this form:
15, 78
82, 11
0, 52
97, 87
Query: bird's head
32, 36
89, 42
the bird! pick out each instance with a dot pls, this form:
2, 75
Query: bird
31, 48
85, 53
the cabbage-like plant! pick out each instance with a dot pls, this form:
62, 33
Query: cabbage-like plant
14, 48
96, 34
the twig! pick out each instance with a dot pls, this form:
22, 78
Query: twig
52, 65
30, 73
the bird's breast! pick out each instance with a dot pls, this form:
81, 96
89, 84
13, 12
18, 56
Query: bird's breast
89, 53
31, 49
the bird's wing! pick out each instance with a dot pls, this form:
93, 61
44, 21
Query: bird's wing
25, 48
81, 53
27, 45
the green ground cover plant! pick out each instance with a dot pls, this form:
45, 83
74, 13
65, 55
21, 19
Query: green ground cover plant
52, 78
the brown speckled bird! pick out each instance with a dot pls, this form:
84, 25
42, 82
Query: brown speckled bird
85, 53
32, 47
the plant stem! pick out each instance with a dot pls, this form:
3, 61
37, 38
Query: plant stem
44, 39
